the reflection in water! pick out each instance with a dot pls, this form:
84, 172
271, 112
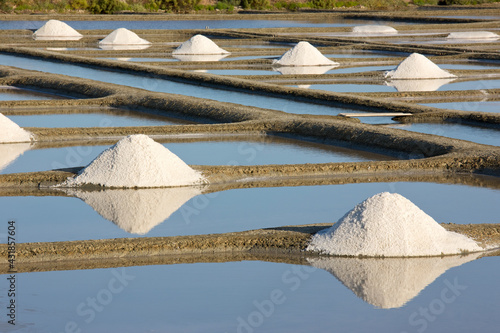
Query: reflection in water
302, 70
199, 57
9, 152
390, 282
418, 85
136, 211
111, 47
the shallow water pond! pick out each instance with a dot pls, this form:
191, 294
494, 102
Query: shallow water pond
18, 94
487, 136
493, 106
158, 85
185, 211
117, 119
257, 296
27, 158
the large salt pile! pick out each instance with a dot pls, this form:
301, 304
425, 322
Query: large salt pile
136, 211
199, 44
10, 132
389, 225
304, 54
417, 66
136, 161
389, 282
122, 36
473, 35
56, 30
374, 29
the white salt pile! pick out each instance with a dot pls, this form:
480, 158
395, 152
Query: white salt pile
418, 85
54, 29
374, 29
199, 44
417, 66
10, 132
473, 35
136, 211
136, 161
122, 36
392, 226
10, 152
391, 282
304, 54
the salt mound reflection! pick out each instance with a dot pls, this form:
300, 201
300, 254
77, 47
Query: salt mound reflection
303, 70
9, 152
418, 85
390, 282
136, 211
199, 57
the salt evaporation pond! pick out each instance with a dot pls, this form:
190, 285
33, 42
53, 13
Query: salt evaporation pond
152, 84
55, 218
493, 106
118, 119
270, 151
19, 94
487, 136
226, 297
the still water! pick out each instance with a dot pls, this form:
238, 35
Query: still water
442, 295
186, 211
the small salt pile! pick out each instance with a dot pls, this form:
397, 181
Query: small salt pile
122, 36
136, 161
374, 29
304, 54
417, 66
473, 35
55, 29
10, 132
199, 44
392, 226
136, 211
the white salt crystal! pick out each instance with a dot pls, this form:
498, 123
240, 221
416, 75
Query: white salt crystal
199, 44
136, 161
11, 132
417, 66
55, 28
304, 54
473, 35
374, 29
392, 226
122, 36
